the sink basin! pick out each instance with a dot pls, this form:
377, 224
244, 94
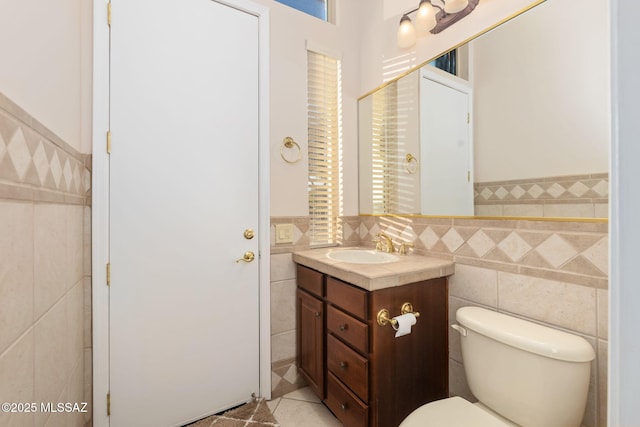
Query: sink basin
362, 256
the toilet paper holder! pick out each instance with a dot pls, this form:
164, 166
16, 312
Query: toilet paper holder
383, 317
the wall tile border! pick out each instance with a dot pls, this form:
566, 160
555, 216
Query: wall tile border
564, 251
36, 165
570, 189
582, 196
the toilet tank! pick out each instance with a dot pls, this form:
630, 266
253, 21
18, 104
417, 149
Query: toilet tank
531, 374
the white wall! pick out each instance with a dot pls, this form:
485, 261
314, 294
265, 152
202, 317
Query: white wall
43, 69
542, 98
290, 31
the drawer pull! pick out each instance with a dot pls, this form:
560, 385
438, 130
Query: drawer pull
344, 406
343, 327
317, 313
343, 365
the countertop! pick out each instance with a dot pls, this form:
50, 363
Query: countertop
408, 269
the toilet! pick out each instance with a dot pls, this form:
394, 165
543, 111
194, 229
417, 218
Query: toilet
523, 374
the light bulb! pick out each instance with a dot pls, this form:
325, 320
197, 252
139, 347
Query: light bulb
455, 6
425, 18
406, 33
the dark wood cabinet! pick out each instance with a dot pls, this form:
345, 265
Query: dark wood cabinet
311, 329
367, 376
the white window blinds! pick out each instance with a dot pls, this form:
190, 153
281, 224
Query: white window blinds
384, 150
325, 158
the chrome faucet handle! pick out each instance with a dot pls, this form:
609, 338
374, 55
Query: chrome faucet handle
403, 248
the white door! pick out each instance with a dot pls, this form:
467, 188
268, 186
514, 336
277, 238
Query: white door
445, 145
184, 332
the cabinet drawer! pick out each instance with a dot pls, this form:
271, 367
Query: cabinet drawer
349, 329
349, 366
309, 280
345, 405
348, 297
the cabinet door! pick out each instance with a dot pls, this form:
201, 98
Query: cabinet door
311, 340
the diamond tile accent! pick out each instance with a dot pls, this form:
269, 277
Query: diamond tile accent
556, 251
407, 235
67, 173
77, 182
486, 193
501, 193
480, 243
598, 255
41, 162
86, 180
347, 231
535, 191
556, 190
363, 231
56, 169
518, 192
297, 234
19, 153
602, 188
3, 147
578, 189
292, 374
30, 159
514, 246
452, 240
375, 229
429, 238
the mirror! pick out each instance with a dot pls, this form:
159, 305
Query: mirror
539, 124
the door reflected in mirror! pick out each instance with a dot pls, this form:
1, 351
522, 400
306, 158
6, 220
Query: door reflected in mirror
539, 129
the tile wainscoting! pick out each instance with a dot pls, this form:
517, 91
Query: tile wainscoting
45, 271
550, 272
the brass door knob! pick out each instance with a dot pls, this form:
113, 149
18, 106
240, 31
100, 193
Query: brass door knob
247, 257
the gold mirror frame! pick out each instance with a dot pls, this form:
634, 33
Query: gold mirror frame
494, 218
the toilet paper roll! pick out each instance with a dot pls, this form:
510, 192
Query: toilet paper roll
405, 322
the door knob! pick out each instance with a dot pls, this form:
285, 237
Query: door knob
247, 257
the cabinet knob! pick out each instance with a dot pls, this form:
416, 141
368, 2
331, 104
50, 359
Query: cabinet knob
343, 406
342, 327
343, 365
317, 314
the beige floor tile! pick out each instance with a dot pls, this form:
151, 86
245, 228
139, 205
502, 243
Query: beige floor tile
305, 394
296, 413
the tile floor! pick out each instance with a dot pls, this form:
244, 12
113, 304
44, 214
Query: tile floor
302, 408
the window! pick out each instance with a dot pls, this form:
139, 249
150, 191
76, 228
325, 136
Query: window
317, 8
446, 62
325, 151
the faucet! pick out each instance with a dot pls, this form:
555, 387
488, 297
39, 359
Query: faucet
388, 242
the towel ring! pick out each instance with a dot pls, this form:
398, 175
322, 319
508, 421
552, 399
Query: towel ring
411, 163
289, 144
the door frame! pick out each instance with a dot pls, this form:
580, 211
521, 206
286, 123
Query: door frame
100, 203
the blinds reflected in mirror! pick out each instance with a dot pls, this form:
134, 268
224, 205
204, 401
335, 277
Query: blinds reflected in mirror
394, 134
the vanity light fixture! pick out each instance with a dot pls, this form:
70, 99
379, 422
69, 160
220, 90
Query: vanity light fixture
433, 16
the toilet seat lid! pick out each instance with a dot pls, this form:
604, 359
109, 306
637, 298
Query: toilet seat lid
451, 412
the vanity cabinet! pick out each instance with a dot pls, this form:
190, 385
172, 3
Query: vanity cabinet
310, 328
370, 377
